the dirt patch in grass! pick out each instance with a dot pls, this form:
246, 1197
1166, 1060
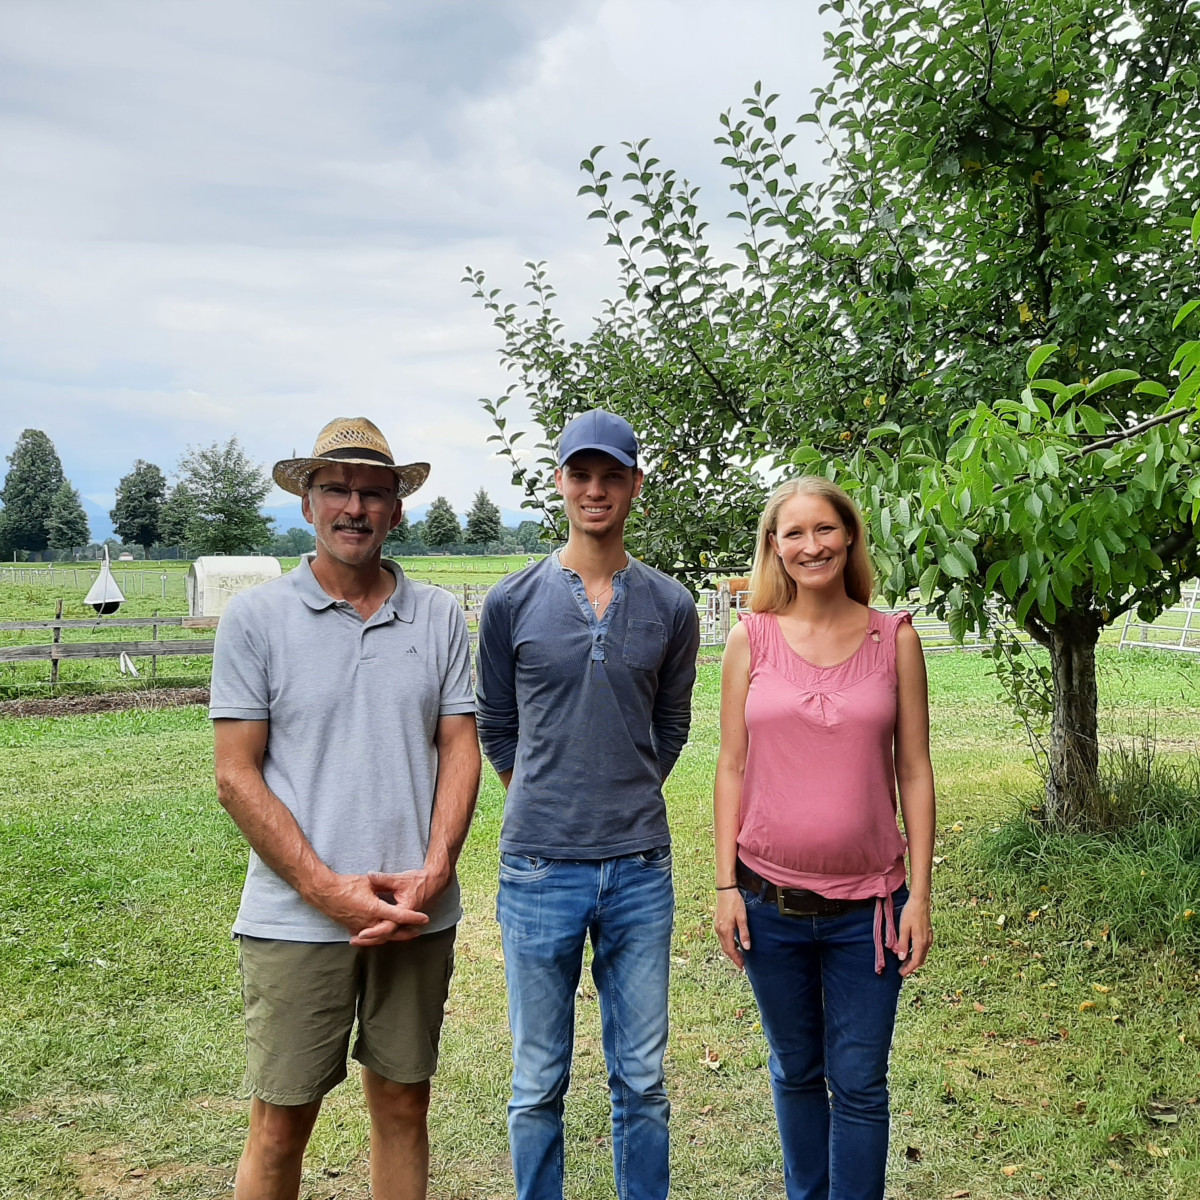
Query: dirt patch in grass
106, 1174
75, 706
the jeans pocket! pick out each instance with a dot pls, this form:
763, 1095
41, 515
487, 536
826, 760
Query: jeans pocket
522, 868
749, 899
658, 856
645, 645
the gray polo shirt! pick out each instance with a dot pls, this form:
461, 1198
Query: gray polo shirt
353, 707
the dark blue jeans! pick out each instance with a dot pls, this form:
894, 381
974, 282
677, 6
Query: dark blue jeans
828, 1019
547, 909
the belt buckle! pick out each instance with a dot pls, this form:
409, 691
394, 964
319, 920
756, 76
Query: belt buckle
795, 902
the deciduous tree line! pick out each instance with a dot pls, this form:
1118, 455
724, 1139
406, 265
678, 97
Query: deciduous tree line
212, 508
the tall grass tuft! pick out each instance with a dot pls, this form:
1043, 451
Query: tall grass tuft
1137, 881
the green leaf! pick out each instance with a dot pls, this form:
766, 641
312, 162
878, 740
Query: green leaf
958, 561
1196, 230
1148, 387
1110, 379
1186, 311
928, 581
1024, 606
1035, 362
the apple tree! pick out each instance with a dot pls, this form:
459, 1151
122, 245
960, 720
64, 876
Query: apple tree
999, 175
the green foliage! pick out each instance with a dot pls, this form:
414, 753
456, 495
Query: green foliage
483, 521
175, 519
295, 542
137, 514
225, 490
1053, 511
531, 534
441, 527
67, 524
34, 477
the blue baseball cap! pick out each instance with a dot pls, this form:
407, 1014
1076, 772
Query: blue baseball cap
599, 430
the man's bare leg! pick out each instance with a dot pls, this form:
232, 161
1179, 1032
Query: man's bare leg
270, 1165
399, 1137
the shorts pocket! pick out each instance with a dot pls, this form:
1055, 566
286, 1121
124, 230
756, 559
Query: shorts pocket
645, 645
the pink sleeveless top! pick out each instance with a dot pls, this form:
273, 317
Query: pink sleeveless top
819, 792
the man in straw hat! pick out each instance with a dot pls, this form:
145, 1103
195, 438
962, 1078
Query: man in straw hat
586, 666
346, 753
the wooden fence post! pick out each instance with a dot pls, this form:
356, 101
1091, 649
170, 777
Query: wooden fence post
57, 636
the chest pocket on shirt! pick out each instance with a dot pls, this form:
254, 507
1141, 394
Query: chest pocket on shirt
645, 645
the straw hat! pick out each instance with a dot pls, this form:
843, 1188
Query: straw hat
350, 441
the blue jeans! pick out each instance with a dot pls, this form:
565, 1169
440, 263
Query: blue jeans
546, 909
828, 1019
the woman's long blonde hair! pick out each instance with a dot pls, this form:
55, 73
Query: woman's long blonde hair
772, 589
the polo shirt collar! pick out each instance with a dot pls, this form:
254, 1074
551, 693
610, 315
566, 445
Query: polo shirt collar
402, 601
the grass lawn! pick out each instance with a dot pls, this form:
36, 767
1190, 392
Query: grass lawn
1039, 1054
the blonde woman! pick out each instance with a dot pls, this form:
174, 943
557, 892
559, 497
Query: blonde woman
824, 711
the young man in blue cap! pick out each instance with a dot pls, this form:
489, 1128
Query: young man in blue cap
585, 672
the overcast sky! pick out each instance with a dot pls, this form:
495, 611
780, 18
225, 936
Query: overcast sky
222, 217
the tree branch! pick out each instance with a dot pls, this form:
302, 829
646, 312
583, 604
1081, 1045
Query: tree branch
1123, 435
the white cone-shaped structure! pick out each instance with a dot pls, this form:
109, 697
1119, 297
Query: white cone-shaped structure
105, 597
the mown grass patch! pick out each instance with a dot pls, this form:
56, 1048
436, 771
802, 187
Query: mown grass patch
121, 1062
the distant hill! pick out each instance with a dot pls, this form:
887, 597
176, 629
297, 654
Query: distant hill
98, 520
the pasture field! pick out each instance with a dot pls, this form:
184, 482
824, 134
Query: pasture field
153, 589
1051, 1047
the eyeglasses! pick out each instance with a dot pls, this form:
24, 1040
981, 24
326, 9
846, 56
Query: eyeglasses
374, 498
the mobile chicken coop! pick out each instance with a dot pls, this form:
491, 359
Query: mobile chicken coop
214, 579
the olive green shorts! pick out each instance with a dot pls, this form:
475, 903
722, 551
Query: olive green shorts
301, 1000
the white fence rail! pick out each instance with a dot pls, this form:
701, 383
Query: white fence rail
1175, 629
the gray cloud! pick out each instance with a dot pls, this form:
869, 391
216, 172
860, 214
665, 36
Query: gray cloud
242, 219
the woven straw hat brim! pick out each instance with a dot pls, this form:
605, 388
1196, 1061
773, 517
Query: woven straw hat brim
293, 474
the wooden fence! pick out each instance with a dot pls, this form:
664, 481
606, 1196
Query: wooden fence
56, 650
717, 610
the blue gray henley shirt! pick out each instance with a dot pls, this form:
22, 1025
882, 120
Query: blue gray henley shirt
589, 713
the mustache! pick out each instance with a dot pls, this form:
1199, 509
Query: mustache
355, 525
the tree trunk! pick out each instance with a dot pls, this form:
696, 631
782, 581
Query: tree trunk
1073, 784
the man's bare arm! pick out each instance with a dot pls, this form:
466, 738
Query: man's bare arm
453, 806
272, 830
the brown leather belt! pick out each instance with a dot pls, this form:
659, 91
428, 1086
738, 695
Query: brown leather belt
795, 902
